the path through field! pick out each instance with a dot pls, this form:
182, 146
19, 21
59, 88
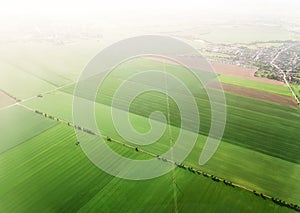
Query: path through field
283, 73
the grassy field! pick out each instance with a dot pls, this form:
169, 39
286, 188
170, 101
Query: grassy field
55, 64
259, 151
248, 156
56, 103
255, 85
39, 67
24, 85
249, 165
18, 125
296, 89
246, 117
70, 182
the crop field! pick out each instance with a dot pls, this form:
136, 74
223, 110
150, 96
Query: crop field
70, 182
254, 93
275, 114
25, 85
296, 89
54, 64
259, 151
282, 90
38, 68
55, 103
18, 124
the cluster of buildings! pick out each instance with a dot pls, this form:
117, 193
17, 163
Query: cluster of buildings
259, 55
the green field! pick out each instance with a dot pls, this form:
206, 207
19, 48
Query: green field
296, 89
36, 67
281, 90
48, 172
56, 103
224, 163
25, 85
243, 136
57, 176
18, 125
245, 120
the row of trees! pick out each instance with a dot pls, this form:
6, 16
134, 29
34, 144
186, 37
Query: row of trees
38, 112
286, 204
76, 127
84, 129
46, 115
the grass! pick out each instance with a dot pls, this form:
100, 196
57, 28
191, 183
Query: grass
56, 103
18, 125
251, 123
252, 169
273, 133
56, 64
241, 143
296, 88
39, 67
247, 155
24, 85
251, 154
281, 90
70, 182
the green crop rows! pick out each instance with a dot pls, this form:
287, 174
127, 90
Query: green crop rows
52, 174
45, 171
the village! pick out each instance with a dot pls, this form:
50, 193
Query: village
259, 55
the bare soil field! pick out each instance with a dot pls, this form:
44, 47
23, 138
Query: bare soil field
5, 100
241, 72
253, 93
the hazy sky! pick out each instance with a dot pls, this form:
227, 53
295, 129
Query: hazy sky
112, 14
75, 7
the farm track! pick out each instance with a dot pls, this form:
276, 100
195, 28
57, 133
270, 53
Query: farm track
30, 98
179, 165
9, 95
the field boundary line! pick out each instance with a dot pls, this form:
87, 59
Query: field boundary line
19, 101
